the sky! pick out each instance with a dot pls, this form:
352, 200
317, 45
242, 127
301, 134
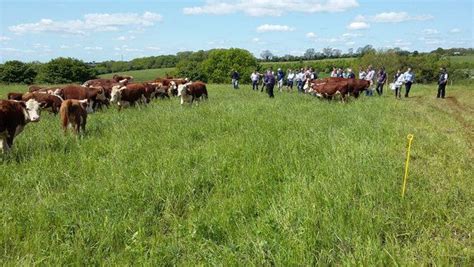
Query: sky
32, 30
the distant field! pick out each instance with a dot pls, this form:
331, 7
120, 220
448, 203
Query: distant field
245, 180
143, 75
461, 59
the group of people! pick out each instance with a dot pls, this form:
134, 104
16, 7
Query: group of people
377, 79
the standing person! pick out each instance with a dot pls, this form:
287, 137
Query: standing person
300, 81
381, 79
314, 74
289, 79
270, 83
409, 80
280, 77
350, 74
235, 79
334, 72
339, 73
398, 80
254, 77
362, 74
442, 81
370, 77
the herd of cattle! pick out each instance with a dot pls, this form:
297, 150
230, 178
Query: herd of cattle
73, 102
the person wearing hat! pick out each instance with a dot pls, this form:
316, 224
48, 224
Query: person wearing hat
442, 81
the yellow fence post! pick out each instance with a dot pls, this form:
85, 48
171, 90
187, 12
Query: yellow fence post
410, 138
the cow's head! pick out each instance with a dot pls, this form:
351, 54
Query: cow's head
116, 94
100, 93
32, 110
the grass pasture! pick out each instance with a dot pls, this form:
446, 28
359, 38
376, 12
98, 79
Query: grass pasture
246, 180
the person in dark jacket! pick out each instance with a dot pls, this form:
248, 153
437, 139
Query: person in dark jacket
235, 79
270, 83
442, 81
381, 79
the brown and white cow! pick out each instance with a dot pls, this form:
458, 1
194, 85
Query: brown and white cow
43, 89
74, 115
14, 115
15, 96
78, 92
46, 100
128, 95
190, 92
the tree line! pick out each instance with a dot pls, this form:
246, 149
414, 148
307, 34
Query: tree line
216, 65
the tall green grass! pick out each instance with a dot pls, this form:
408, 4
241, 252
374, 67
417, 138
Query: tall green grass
245, 180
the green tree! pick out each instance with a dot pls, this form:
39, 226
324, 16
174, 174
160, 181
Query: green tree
220, 62
17, 72
66, 70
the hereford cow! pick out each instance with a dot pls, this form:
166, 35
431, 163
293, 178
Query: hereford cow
128, 95
122, 79
330, 89
43, 89
14, 115
74, 115
78, 92
46, 100
14, 96
192, 91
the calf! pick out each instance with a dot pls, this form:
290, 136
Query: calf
14, 96
74, 114
192, 91
14, 115
127, 95
48, 101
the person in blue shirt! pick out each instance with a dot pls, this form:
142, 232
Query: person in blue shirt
270, 82
235, 79
409, 77
280, 77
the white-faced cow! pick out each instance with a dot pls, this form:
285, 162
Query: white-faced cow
190, 92
14, 115
78, 92
128, 95
53, 102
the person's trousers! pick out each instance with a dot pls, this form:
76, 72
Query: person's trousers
270, 90
379, 88
255, 85
441, 90
407, 88
300, 87
398, 92
235, 83
290, 84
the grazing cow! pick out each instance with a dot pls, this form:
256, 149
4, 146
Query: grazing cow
78, 92
46, 100
74, 114
14, 115
127, 95
192, 91
36, 88
14, 96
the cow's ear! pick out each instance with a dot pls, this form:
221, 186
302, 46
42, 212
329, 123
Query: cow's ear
22, 103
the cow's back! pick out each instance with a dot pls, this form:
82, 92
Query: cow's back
11, 115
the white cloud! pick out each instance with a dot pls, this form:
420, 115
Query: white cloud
153, 48
64, 46
430, 31
274, 28
269, 7
401, 43
455, 30
311, 35
351, 35
395, 17
90, 48
358, 25
126, 38
90, 23
4, 38
256, 40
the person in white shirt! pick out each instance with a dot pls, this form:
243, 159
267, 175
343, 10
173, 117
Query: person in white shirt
290, 78
362, 74
398, 83
409, 80
300, 79
334, 72
370, 77
254, 77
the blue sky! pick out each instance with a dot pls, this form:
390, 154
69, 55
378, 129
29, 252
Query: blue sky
111, 30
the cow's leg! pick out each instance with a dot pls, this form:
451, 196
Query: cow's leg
90, 108
4, 145
83, 124
10, 136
